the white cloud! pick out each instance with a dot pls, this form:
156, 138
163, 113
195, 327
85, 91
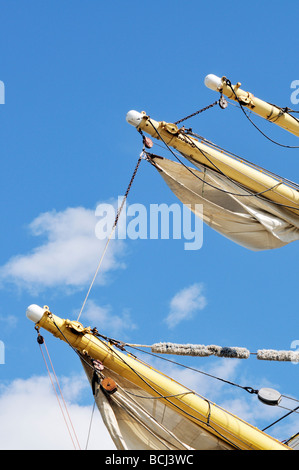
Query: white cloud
68, 256
106, 320
33, 419
8, 321
185, 304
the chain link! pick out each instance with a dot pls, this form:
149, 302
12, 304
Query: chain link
197, 112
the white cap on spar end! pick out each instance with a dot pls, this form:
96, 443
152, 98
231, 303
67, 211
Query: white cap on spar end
134, 118
213, 82
34, 313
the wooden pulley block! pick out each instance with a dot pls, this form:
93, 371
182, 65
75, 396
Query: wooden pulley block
108, 385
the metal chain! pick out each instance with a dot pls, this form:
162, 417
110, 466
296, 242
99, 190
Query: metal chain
111, 233
197, 112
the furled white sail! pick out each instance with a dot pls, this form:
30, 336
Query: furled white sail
250, 221
138, 421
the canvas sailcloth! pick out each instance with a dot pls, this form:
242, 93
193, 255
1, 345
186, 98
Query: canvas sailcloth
136, 420
252, 222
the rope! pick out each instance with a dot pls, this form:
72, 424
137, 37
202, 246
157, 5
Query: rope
243, 160
166, 398
88, 436
280, 419
228, 82
144, 410
158, 398
118, 344
111, 233
231, 179
40, 342
145, 426
173, 404
250, 194
121, 345
247, 389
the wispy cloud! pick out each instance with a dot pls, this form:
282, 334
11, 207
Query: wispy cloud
8, 321
103, 317
68, 255
185, 304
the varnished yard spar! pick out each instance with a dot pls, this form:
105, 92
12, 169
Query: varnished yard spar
244, 202
218, 423
272, 113
199, 152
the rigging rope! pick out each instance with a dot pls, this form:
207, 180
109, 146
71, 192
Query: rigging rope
280, 419
144, 410
228, 82
41, 341
249, 389
207, 423
121, 346
111, 233
249, 194
92, 413
242, 159
93, 368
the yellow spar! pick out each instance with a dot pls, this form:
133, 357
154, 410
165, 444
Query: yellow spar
234, 431
199, 152
266, 110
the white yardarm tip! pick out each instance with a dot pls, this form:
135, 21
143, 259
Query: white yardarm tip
134, 118
213, 82
34, 313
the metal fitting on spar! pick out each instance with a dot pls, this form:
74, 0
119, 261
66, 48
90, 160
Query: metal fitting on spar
134, 117
35, 313
213, 82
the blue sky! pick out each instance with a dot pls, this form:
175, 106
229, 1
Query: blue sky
72, 70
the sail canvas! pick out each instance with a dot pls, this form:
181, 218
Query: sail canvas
250, 221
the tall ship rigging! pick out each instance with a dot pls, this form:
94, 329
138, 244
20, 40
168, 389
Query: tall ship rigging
141, 407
